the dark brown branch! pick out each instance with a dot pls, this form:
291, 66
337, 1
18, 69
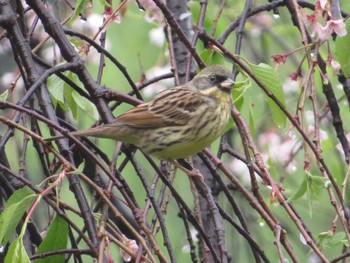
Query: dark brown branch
176, 27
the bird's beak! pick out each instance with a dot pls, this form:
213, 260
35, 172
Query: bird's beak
227, 83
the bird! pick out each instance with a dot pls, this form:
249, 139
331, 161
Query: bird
178, 122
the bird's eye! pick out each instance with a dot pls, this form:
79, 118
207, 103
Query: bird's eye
212, 78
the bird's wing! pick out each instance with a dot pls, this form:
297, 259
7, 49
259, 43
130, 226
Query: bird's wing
172, 107
140, 117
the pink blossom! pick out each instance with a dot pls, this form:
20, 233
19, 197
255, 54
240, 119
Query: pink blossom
279, 148
325, 32
335, 66
312, 18
154, 12
109, 12
338, 26
323, 6
131, 245
323, 3
316, 27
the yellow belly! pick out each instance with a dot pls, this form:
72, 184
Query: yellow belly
182, 150
190, 147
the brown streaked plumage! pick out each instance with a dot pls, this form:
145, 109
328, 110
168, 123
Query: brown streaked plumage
177, 122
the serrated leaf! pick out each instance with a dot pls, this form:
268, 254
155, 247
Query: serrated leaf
105, 3
85, 105
16, 205
323, 239
337, 239
56, 238
207, 55
239, 103
242, 85
239, 89
76, 42
70, 101
271, 80
56, 88
17, 252
76, 101
329, 239
210, 57
252, 122
79, 7
315, 185
345, 242
80, 169
5, 94
342, 50
299, 192
68, 94
218, 58
324, 234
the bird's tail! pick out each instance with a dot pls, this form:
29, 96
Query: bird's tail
96, 132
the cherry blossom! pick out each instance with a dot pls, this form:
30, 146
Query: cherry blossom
132, 245
325, 32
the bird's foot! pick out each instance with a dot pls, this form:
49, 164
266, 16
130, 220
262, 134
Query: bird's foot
191, 173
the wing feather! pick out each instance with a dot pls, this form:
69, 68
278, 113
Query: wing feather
173, 107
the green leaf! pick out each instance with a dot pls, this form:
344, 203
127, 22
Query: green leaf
314, 186
68, 94
239, 103
70, 101
79, 7
85, 105
299, 192
5, 94
218, 58
239, 89
80, 169
323, 239
16, 205
56, 89
210, 57
271, 80
17, 252
342, 50
337, 239
252, 122
105, 3
76, 101
56, 238
76, 42
63, 94
207, 55
329, 239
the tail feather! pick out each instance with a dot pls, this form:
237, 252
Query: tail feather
54, 138
97, 131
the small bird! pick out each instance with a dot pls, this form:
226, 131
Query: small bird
178, 122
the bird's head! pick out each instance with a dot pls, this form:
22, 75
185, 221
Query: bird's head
213, 79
